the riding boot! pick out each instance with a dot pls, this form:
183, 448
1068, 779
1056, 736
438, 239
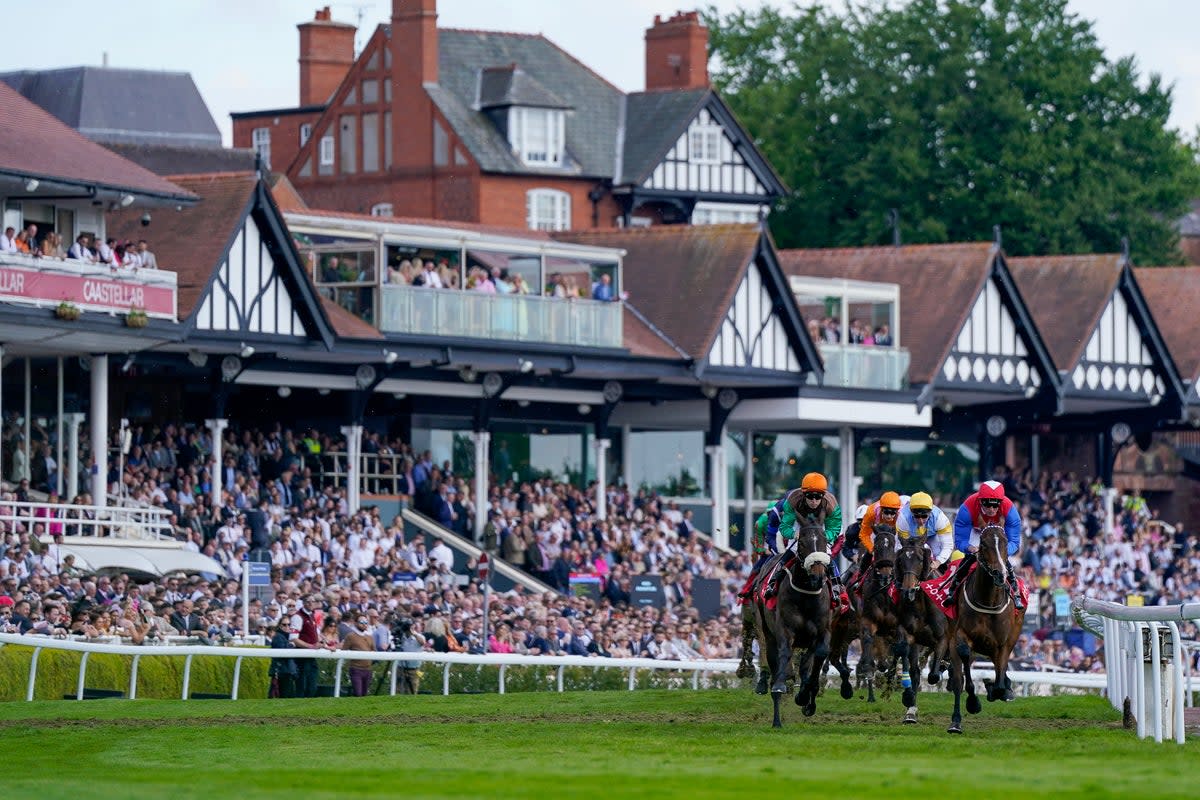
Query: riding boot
840, 594
1013, 587
960, 574
748, 588
776, 577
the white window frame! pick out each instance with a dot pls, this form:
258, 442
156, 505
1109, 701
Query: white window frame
704, 144
706, 213
382, 210
305, 133
260, 140
537, 135
327, 150
547, 210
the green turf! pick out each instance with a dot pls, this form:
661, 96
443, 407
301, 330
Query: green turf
584, 744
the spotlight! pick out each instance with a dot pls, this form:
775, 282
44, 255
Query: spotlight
523, 403
390, 356
284, 391
230, 367
584, 409
247, 350
468, 374
399, 395
708, 390
126, 200
32, 184
525, 364
128, 365
196, 358
323, 392
364, 376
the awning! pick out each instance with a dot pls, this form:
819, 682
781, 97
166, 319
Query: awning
155, 561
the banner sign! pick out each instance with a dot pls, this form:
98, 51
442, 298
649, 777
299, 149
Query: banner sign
585, 585
706, 597
90, 289
260, 573
647, 591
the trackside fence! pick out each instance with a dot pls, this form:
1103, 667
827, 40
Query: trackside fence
1146, 661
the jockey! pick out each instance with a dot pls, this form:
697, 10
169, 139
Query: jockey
811, 503
885, 511
763, 546
988, 506
919, 517
848, 544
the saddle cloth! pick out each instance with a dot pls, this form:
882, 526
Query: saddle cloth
938, 590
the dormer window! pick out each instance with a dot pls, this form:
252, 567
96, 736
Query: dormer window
704, 144
537, 135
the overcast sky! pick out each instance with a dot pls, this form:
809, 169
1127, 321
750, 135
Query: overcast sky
242, 53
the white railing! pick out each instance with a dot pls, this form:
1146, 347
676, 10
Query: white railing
859, 366
380, 472
447, 660
1146, 662
78, 520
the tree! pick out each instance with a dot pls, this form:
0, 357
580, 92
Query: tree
962, 115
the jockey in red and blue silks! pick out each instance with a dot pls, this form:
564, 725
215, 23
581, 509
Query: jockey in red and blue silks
988, 506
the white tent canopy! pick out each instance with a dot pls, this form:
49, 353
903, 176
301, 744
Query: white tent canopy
146, 559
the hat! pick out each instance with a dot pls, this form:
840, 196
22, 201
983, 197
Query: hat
814, 482
889, 500
6, 601
861, 512
991, 490
921, 500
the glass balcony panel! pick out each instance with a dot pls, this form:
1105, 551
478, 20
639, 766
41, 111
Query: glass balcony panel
865, 366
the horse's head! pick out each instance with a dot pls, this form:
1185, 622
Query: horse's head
883, 553
993, 549
912, 563
812, 550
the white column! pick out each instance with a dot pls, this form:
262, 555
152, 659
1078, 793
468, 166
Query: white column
720, 497
99, 421
748, 491
73, 423
58, 483
28, 415
847, 481
626, 457
1109, 495
482, 440
601, 446
216, 429
353, 434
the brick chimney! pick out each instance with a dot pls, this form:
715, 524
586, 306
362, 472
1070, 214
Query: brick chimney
415, 38
326, 55
414, 65
677, 52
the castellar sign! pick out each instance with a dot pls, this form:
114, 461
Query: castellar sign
94, 291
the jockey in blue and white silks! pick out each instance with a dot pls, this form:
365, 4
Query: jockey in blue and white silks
920, 518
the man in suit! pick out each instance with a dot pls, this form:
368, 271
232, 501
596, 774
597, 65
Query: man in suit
185, 619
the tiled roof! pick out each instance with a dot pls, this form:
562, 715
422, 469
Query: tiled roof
681, 277
512, 86
1066, 296
450, 225
34, 143
643, 338
192, 241
163, 159
347, 325
122, 105
1173, 294
938, 286
653, 123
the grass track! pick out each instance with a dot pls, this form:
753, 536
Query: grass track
586, 744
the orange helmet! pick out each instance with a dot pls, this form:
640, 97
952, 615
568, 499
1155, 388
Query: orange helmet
890, 500
814, 482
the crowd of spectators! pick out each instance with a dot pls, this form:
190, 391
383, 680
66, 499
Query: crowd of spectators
492, 279
116, 254
278, 502
829, 330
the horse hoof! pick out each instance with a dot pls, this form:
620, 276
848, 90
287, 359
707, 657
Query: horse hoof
955, 728
934, 678
745, 670
762, 686
847, 690
1008, 695
809, 709
909, 698
910, 716
780, 725
973, 704
802, 698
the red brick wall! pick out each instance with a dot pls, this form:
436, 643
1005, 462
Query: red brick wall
677, 53
285, 135
502, 200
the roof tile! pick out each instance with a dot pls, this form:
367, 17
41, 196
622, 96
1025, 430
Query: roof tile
1173, 294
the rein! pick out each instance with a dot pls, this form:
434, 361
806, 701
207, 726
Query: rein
997, 577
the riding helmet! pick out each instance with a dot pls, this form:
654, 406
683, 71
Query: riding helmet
991, 490
814, 482
921, 500
890, 500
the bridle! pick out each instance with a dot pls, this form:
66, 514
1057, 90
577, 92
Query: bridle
990, 538
920, 564
814, 537
878, 565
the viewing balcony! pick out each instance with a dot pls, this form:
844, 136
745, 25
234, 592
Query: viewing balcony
48, 282
508, 317
860, 366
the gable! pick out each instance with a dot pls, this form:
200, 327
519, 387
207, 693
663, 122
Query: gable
1116, 356
705, 159
248, 292
751, 334
990, 347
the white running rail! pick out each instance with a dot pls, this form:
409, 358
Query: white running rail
1145, 661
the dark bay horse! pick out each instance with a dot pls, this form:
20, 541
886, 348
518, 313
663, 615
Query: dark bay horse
921, 624
798, 622
987, 622
877, 612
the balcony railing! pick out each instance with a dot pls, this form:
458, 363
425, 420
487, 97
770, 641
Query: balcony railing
47, 282
526, 318
858, 366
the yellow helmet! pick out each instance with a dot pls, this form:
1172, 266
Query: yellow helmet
920, 500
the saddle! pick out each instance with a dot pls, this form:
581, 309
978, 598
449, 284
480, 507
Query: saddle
941, 590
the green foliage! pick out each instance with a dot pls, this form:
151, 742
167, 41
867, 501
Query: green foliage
961, 114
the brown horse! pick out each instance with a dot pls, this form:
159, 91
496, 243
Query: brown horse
799, 621
988, 622
877, 612
921, 623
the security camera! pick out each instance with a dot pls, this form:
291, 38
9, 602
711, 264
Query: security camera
146, 219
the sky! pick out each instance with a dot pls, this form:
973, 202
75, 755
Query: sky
242, 53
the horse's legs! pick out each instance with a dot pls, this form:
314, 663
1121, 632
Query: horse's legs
867, 639
820, 655
783, 658
746, 666
909, 657
963, 652
956, 686
839, 649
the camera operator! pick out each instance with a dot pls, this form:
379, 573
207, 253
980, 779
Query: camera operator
406, 640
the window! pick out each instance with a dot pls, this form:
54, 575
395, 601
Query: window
704, 144
261, 141
382, 210
724, 213
536, 135
305, 133
348, 141
326, 150
547, 210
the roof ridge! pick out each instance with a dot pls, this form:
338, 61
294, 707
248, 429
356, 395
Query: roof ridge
548, 41
210, 175
654, 230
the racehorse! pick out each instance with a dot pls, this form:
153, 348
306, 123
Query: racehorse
799, 621
920, 622
877, 612
987, 622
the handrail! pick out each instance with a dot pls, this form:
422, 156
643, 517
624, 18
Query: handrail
1181, 612
83, 520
